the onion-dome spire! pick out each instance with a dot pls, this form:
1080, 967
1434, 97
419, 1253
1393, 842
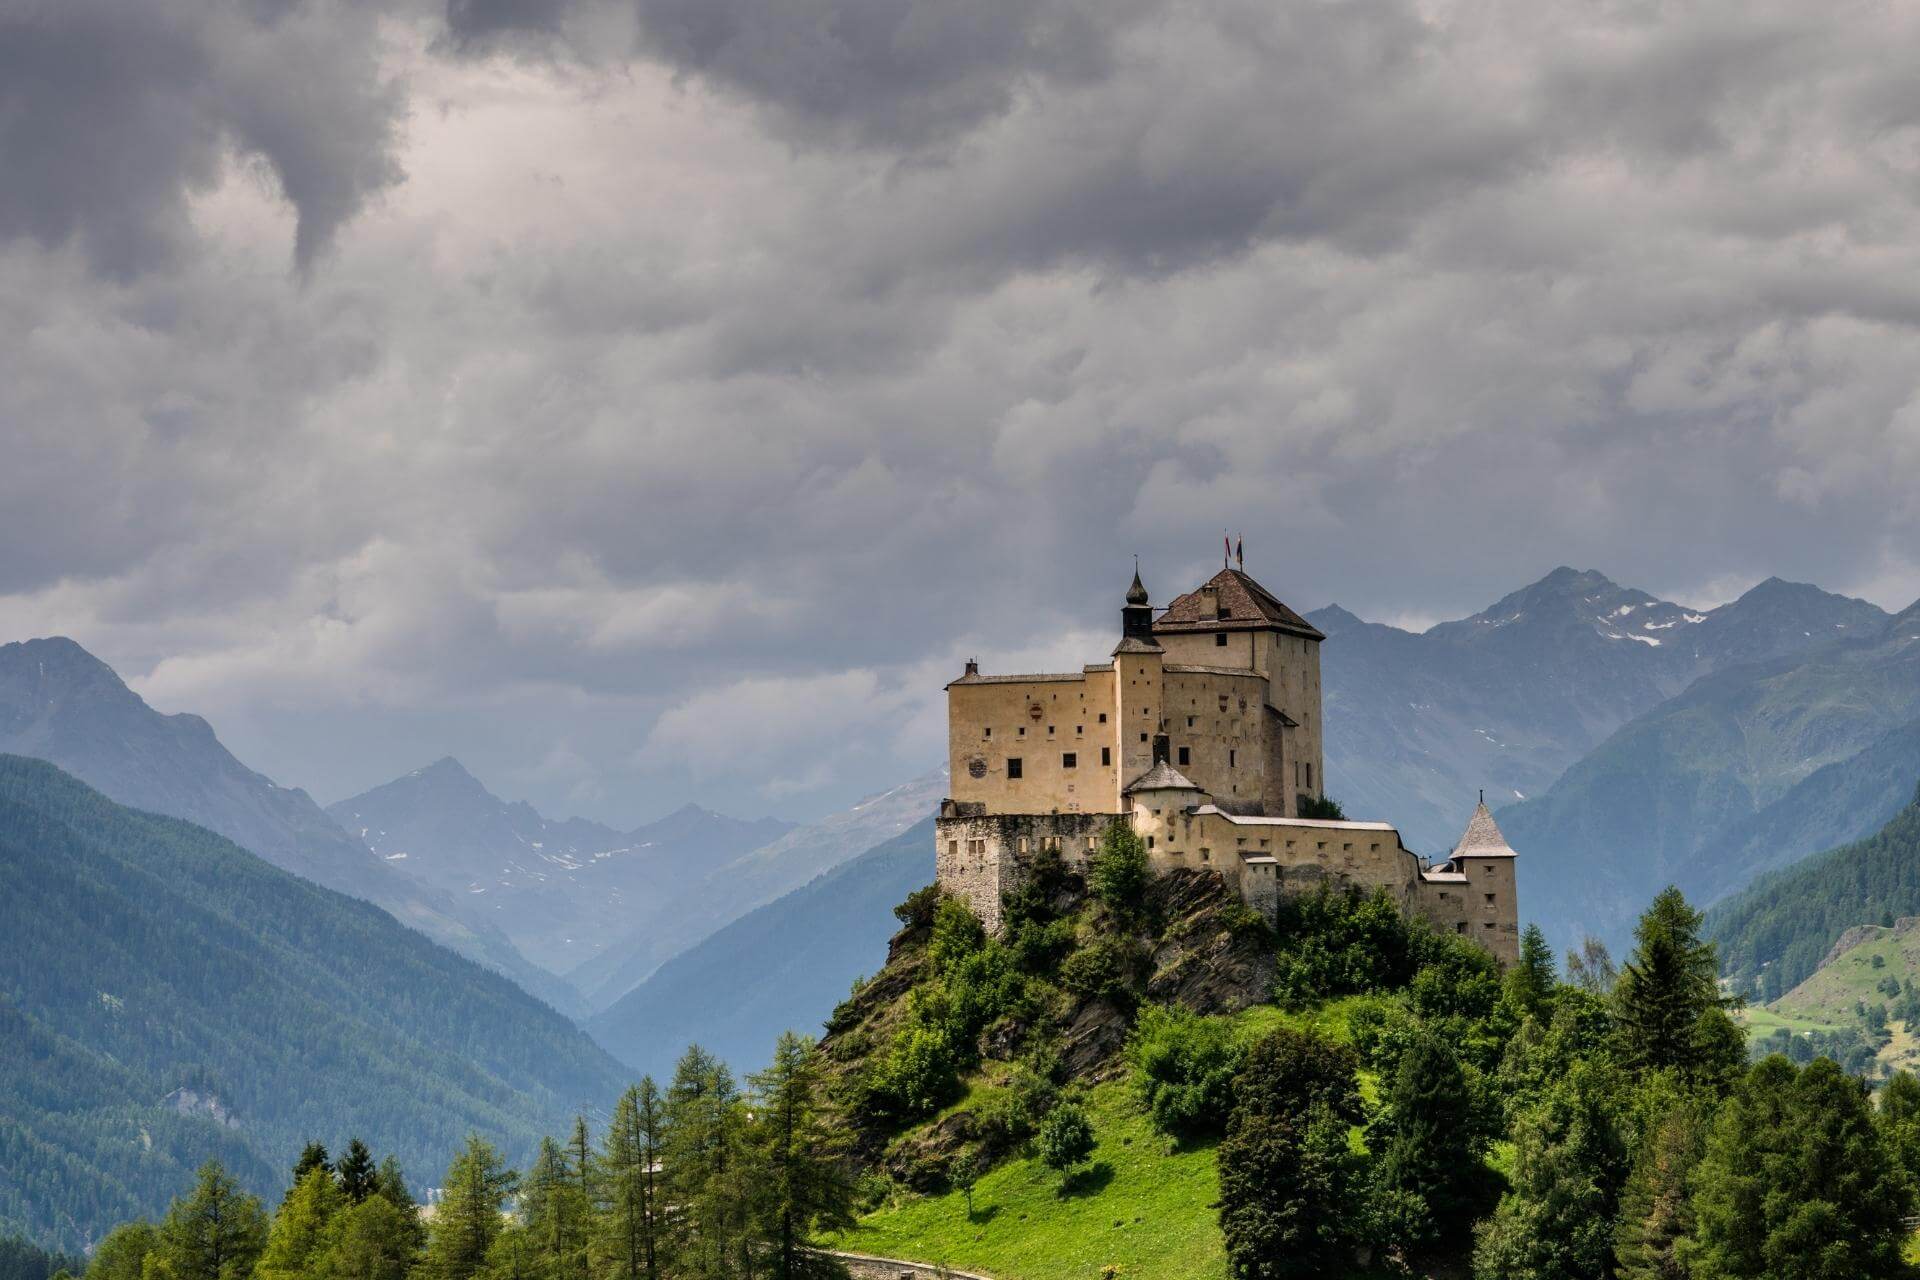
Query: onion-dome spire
1137, 593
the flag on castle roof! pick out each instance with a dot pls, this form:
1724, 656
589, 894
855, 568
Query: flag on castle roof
1244, 605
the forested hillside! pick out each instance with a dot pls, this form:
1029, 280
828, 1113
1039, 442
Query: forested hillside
1776, 932
782, 967
1636, 812
168, 996
60, 703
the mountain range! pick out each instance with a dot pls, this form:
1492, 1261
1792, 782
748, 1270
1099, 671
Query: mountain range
167, 996
60, 703
562, 890
1511, 697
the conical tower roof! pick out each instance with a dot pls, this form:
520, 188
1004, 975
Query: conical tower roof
1482, 838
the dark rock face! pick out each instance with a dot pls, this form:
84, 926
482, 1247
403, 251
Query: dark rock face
1208, 959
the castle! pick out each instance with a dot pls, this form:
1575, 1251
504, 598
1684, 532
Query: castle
1204, 732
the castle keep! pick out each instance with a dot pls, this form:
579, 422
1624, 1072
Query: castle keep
1203, 731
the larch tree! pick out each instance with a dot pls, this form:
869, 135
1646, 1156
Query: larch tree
466, 1221
802, 1190
627, 1242
300, 1228
216, 1232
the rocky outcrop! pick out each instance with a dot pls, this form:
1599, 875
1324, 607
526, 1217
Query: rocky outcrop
1864, 933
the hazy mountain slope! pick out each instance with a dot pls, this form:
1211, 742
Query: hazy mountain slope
146, 956
781, 967
1635, 813
1835, 804
60, 703
753, 879
562, 891
1780, 928
1511, 697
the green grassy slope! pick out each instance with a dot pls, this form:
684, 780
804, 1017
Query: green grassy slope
1147, 1208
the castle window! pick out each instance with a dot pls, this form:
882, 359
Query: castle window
1023, 844
987, 732
1487, 925
1205, 854
953, 848
1143, 737
1489, 899
1079, 729
1049, 731
1021, 732
1223, 702
1219, 639
1014, 768
1149, 842
1233, 758
1460, 926
1089, 844
1346, 847
1189, 722
1309, 773
1103, 717
1186, 756
1106, 755
1374, 847
1069, 760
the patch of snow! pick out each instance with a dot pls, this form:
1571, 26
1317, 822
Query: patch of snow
396, 857
1646, 640
1694, 617
1624, 610
1657, 626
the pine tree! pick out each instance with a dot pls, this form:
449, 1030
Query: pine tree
300, 1228
356, 1172
1530, 983
803, 1190
1432, 1138
312, 1156
627, 1244
1667, 1005
216, 1233
1656, 1209
466, 1222
1797, 1181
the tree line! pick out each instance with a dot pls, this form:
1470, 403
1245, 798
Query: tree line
705, 1180
1632, 1137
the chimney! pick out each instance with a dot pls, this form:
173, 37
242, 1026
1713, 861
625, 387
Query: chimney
973, 666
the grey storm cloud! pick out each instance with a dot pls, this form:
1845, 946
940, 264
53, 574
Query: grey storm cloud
674, 394
112, 115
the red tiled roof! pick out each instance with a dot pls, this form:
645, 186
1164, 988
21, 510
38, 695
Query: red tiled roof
1245, 605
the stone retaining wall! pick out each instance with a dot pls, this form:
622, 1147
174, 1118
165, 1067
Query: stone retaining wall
865, 1267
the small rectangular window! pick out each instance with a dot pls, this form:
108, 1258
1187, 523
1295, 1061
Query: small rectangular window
1309, 774
1021, 732
1219, 639
1106, 755
953, 848
1460, 926
1189, 722
1233, 757
1186, 756
1149, 842
1489, 897
1013, 767
1103, 717
1143, 737
1049, 731
1069, 760
989, 731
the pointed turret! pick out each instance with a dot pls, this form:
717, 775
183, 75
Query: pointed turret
1482, 838
1136, 620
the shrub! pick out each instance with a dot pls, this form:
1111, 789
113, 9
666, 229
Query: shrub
1118, 872
1066, 1138
917, 911
957, 933
1102, 970
1183, 1068
1013, 1115
1336, 942
916, 1075
1322, 808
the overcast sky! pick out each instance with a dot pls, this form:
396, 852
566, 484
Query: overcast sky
658, 399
